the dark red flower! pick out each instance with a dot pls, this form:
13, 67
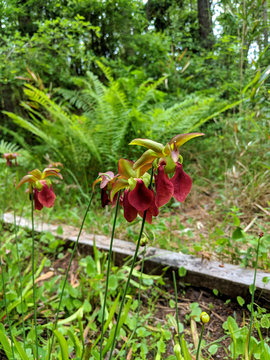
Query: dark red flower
105, 200
178, 186
164, 186
182, 183
9, 157
141, 197
37, 204
40, 187
44, 197
130, 213
139, 200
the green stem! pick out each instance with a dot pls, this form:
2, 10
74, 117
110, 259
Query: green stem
65, 280
5, 302
199, 345
176, 309
129, 275
253, 290
33, 274
19, 267
108, 274
139, 302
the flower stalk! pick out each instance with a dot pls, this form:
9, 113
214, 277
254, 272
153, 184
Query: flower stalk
253, 289
204, 317
5, 302
129, 275
67, 272
176, 310
33, 276
108, 275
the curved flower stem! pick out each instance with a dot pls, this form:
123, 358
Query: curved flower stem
199, 345
65, 280
33, 275
129, 276
108, 275
5, 302
253, 290
19, 266
176, 309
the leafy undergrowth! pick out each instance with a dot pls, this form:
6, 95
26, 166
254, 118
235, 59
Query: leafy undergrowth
149, 328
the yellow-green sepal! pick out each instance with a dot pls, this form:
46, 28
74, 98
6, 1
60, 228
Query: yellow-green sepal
147, 158
117, 186
26, 178
125, 168
149, 144
181, 139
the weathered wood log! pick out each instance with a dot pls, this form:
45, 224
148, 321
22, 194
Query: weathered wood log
231, 280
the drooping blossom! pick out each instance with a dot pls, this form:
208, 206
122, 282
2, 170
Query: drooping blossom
106, 180
40, 186
137, 198
11, 156
133, 178
167, 162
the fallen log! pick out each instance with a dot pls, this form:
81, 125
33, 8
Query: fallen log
231, 280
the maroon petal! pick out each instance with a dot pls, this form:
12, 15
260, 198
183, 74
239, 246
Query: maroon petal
46, 196
148, 217
140, 198
164, 187
104, 197
38, 205
130, 213
182, 183
152, 211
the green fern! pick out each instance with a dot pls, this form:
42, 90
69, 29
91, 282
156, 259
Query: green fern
6, 147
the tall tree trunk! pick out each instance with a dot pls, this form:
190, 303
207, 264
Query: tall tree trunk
205, 23
265, 24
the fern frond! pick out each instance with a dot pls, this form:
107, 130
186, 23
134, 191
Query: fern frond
7, 147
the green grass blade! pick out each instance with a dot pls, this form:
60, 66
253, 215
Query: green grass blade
20, 350
185, 349
63, 344
77, 344
6, 345
121, 322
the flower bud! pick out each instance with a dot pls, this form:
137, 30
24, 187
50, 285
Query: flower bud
204, 317
144, 240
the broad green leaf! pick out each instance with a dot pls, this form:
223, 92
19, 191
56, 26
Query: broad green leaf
6, 345
63, 345
149, 144
181, 139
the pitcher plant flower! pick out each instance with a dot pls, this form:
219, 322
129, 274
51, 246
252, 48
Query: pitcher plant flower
167, 160
40, 187
11, 156
136, 198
